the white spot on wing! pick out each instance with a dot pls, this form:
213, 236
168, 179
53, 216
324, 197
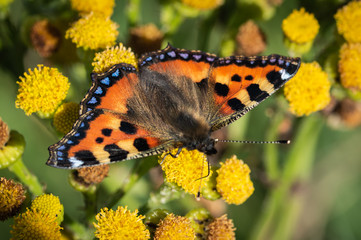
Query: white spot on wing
285, 75
75, 162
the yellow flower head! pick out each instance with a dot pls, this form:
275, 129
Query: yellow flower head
11, 198
99, 6
49, 204
186, 169
13, 150
349, 66
234, 181
203, 4
34, 224
300, 26
309, 90
93, 31
120, 224
41, 91
65, 116
111, 56
221, 228
174, 227
348, 21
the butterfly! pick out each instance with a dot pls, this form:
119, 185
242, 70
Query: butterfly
175, 99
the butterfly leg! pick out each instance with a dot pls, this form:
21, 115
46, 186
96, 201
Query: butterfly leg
174, 156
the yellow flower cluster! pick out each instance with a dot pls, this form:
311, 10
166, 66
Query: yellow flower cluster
348, 20
221, 228
93, 31
86, 6
34, 224
41, 91
234, 181
300, 26
203, 4
174, 227
186, 169
120, 224
65, 116
309, 90
49, 204
111, 56
349, 65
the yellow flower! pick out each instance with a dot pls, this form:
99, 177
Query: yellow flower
234, 181
186, 169
221, 228
13, 150
111, 56
93, 31
34, 224
49, 204
120, 224
65, 116
348, 21
41, 91
174, 228
300, 26
99, 6
349, 66
11, 198
203, 4
309, 90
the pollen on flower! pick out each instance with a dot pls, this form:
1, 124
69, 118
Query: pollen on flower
11, 198
120, 224
65, 116
309, 90
34, 224
41, 90
86, 6
203, 5
111, 56
300, 26
186, 169
221, 228
349, 66
348, 21
234, 181
93, 31
174, 227
49, 204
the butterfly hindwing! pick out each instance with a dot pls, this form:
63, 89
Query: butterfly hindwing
241, 83
102, 136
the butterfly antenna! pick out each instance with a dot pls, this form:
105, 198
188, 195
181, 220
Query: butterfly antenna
255, 142
200, 183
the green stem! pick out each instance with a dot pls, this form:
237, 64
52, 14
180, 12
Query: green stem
283, 208
26, 177
271, 155
90, 200
78, 230
140, 168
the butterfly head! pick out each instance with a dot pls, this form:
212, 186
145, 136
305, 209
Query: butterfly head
205, 145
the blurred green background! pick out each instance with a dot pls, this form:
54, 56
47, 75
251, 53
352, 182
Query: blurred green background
328, 200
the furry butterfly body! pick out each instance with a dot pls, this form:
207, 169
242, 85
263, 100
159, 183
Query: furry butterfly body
177, 98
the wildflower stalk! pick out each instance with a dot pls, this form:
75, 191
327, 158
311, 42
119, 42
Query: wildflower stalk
278, 220
90, 200
78, 230
271, 155
140, 168
26, 177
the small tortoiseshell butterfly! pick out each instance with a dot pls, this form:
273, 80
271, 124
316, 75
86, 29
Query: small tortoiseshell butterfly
176, 99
